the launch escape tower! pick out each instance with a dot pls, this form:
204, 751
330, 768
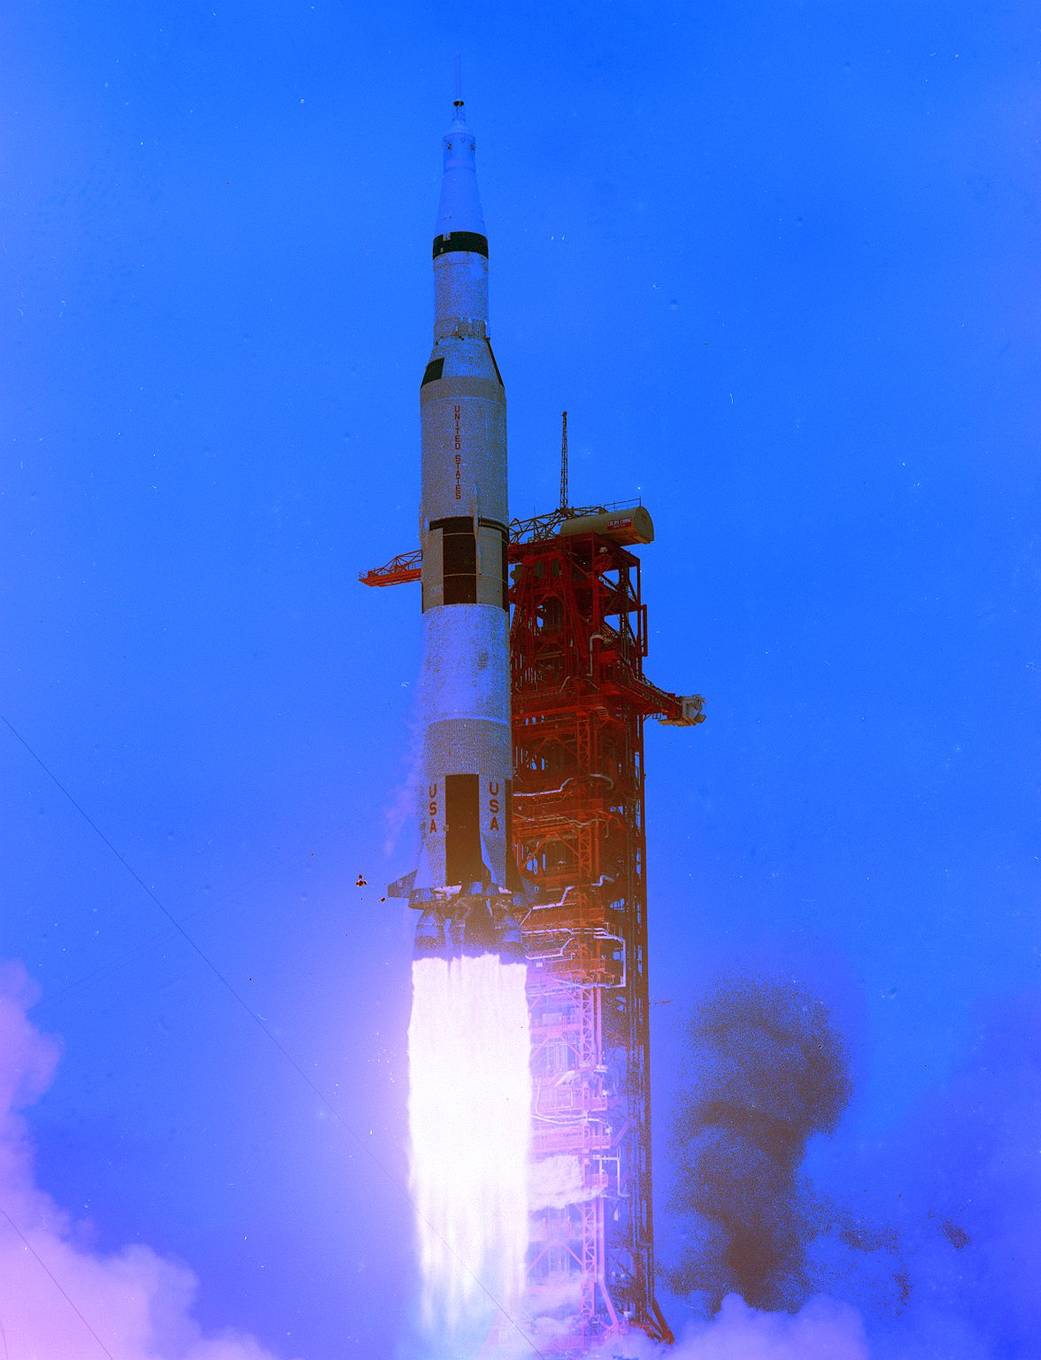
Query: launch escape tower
579, 698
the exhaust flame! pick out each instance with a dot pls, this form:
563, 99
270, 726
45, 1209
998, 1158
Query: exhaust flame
470, 1129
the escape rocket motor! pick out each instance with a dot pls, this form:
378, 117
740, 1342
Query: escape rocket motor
464, 880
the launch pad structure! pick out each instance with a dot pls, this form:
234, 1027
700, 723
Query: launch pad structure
578, 639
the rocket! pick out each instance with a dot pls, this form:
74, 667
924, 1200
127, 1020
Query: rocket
463, 884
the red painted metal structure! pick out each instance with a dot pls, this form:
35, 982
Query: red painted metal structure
580, 698
579, 695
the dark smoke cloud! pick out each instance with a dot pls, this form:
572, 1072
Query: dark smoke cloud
767, 1072
928, 1230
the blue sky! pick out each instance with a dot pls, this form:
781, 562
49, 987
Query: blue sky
780, 264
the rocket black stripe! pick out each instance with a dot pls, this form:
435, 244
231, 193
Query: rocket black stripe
495, 365
460, 589
461, 240
463, 862
459, 563
458, 559
434, 369
455, 524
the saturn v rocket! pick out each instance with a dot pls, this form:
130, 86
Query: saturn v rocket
464, 880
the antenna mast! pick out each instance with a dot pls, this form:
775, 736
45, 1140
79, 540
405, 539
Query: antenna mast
563, 461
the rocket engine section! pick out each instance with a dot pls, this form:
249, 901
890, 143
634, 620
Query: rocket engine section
464, 879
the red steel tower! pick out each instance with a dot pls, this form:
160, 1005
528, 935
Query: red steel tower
579, 695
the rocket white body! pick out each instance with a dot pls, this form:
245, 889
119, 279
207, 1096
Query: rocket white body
464, 869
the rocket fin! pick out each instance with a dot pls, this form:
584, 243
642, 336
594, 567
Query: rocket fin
493, 875
402, 887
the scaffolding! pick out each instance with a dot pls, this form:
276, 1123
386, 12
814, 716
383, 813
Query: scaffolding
578, 641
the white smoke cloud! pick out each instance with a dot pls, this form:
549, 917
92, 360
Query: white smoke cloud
138, 1304
822, 1330
556, 1182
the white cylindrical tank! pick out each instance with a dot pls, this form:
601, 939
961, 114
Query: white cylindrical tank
465, 693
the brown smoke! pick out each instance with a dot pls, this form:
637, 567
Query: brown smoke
767, 1072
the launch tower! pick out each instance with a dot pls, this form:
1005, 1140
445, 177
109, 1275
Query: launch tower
579, 696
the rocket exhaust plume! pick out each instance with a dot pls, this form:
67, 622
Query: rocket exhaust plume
470, 1128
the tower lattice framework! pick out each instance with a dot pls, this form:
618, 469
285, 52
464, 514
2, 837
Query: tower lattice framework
579, 696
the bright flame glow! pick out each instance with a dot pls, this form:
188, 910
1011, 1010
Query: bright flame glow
469, 1050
